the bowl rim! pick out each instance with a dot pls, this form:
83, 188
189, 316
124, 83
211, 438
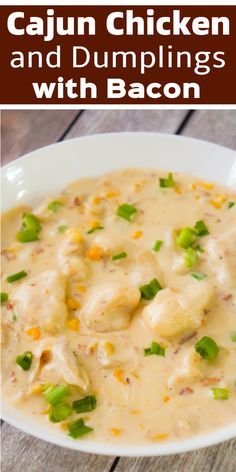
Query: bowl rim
94, 447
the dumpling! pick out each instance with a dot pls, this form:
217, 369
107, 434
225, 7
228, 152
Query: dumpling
109, 306
40, 301
69, 255
111, 244
144, 269
173, 312
54, 362
189, 371
221, 253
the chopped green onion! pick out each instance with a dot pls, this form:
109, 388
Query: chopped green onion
59, 412
190, 257
62, 228
27, 236
220, 393
198, 248
201, 228
85, 404
126, 211
156, 349
96, 228
167, 182
78, 428
25, 360
231, 204
4, 297
54, 206
55, 395
30, 221
187, 237
121, 255
150, 290
207, 348
157, 245
17, 276
198, 275
14, 318
233, 337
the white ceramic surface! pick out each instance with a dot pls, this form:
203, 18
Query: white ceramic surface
49, 169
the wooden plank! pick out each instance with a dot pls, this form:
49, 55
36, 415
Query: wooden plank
218, 126
25, 130
21, 452
100, 121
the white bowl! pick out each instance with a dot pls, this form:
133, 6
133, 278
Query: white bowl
48, 170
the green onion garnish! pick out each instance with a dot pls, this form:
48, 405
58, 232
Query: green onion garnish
231, 204
77, 428
156, 349
62, 228
25, 360
121, 255
233, 337
17, 276
157, 245
59, 412
30, 221
54, 206
207, 348
190, 257
220, 393
126, 211
198, 248
201, 228
27, 236
14, 318
55, 395
198, 275
167, 182
4, 297
96, 228
85, 404
150, 290
186, 238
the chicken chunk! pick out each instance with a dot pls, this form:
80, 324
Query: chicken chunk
173, 312
41, 301
54, 362
109, 306
221, 253
191, 370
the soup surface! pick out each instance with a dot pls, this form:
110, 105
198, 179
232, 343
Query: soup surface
119, 308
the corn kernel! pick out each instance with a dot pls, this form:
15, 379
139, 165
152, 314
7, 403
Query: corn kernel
215, 204
221, 198
36, 389
109, 347
95, 224
159, 437
73, 324
192, 186
137, 234
116, 431
177, 189
96, 200
135, 412
119, 375
34, 332
135, 374
75, 235
64, 426
206, 185
82, 289
94, 253
73, 304
112, 194
166, 399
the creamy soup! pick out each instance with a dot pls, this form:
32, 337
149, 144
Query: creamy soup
119, 308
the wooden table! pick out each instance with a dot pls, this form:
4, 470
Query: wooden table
24, 131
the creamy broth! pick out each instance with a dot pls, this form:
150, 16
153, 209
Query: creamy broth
134, 305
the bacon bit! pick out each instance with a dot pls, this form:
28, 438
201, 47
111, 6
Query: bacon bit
82, 289
137, 234
206, 185
13, 378
192, 186
37, 389
159, 437
73, 324
112, 194
77, 201
10, 306
45, 357
177, 189
116, 431
135, 412
9, 257
90, 349
73, 304
166, 399
226, 296
210, 381
34, 332
186, 391
96, 200
95, 253
39, 250
215, 204
135, 374
119, 375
